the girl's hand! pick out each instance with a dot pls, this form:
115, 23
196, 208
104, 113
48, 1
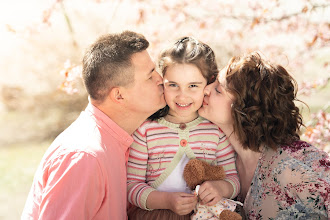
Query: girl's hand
211, 192
182, 203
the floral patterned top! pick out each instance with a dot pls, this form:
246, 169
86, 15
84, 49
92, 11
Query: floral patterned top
292, 182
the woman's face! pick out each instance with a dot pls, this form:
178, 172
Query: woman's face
217, 102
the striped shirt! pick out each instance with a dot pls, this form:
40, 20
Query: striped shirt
159, 146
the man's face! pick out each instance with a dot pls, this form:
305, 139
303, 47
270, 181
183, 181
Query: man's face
145, 96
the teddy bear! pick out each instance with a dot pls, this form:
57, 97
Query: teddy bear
195, 173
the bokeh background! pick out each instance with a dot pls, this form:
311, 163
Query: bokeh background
42, 44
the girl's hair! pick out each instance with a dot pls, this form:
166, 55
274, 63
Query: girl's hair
187, 50
264, 111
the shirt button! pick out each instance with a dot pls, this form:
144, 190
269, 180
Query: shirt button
183, 142
182, 126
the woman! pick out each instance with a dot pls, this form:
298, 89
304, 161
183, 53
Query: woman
281, 177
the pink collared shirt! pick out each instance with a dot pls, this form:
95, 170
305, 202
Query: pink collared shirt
83, 173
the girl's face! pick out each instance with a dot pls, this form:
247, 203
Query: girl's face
184, 91
217, 102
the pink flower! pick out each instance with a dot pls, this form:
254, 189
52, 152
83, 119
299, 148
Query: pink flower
324, 162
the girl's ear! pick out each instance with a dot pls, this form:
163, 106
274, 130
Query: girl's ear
116, 95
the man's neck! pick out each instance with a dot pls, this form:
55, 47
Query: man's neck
128, 121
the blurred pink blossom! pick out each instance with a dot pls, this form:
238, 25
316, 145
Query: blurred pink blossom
306, 88
318, 130
71, 74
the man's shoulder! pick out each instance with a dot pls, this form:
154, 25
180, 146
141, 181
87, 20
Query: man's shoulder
80, 136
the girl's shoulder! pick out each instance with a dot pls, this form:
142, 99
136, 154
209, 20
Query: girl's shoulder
208, 124
150, 125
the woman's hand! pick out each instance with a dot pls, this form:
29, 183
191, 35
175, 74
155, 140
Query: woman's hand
181, 203
211, 192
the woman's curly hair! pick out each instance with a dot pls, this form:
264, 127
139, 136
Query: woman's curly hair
264, 111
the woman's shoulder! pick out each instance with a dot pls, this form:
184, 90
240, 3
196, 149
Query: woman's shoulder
300, 155
303, 151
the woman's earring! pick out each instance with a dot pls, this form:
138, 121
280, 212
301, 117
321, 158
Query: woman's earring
231, 105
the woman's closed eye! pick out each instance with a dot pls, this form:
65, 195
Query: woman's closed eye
216, 89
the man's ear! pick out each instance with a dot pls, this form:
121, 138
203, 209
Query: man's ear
116, 94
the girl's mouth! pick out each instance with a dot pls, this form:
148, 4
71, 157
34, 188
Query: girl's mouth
183, 105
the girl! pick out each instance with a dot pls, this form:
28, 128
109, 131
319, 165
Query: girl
165, 143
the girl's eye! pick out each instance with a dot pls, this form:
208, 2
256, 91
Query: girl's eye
172, 85
216, 89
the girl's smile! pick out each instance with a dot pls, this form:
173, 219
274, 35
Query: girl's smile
183, 105
183, 89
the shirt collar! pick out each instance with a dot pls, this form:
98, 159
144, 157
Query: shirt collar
105, 122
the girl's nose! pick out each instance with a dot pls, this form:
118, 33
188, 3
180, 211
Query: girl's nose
182, 93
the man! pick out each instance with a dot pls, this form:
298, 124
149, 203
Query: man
83, 173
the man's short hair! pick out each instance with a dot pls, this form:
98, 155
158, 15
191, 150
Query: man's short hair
107, 62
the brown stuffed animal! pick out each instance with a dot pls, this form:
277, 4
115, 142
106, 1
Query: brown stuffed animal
195, 173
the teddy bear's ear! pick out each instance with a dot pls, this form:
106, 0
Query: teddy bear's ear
194, 173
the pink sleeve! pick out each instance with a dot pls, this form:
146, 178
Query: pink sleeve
226, 158
137, 188
73, 187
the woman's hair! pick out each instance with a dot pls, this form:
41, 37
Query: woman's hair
263, 110
187, 50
